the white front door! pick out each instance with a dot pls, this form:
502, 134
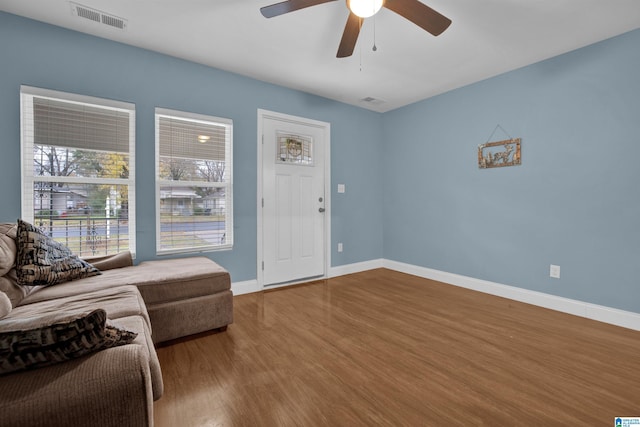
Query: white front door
293, 199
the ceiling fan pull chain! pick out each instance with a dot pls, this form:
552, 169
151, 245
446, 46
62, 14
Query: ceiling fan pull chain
374, 34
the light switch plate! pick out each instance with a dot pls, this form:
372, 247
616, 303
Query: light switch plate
341, 188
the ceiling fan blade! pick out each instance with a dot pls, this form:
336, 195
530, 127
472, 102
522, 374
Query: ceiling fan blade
289, 6
349, 36
420, 14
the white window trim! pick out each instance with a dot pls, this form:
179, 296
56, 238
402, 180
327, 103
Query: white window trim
26, 149
159, 112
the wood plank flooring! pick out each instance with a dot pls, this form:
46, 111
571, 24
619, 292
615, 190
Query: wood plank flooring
382, 348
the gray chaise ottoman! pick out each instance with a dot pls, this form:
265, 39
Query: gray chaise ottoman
185, 296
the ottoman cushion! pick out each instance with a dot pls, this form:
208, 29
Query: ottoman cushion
180, 279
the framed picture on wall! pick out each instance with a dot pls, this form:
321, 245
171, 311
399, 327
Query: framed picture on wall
500, 153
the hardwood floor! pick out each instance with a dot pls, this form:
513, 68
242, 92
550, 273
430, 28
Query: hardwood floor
382, 348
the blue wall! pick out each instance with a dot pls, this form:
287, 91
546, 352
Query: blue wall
574, 201
40, 55
414, 190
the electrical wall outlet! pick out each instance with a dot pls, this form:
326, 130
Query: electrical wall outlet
339, 247
554, 271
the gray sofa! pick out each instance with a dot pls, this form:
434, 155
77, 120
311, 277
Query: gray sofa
116, 386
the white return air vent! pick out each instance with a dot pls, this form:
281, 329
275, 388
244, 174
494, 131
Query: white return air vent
95, 15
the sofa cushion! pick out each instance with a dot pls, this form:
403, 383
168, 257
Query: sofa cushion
34, 342
5, 305
107, 280
11, 289
43, 261
137, 324
16, 293
8, 250
118, 301
159, 282
110, 388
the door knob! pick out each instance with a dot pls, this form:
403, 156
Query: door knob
321, 210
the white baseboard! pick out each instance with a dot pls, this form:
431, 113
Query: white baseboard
626, 319
246, 287
355, 267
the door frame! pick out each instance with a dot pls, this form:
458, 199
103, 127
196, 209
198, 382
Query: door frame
266, 114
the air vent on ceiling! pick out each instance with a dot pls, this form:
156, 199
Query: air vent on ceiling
372, 101
95, 15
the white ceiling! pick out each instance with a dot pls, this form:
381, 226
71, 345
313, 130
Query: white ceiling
298, 50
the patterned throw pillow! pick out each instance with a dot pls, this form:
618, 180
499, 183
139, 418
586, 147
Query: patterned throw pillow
59, 340
43, 261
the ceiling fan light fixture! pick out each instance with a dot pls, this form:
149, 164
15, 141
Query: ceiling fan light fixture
413, 10
364, 8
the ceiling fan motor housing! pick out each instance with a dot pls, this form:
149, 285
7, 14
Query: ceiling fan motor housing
364, 8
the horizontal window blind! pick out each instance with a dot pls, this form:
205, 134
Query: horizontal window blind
190, 139
194, 182
78, 170
80, 126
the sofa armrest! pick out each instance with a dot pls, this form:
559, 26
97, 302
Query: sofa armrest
108, 262
108, 388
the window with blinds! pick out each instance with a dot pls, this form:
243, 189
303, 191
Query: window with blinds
193, 182
78, 162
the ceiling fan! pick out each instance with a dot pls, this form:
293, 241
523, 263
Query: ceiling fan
413, 10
